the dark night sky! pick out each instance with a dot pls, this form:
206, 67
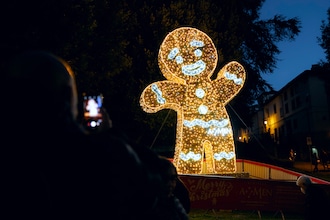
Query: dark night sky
299, 55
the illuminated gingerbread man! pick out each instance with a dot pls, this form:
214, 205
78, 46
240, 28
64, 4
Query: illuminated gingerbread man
204, 138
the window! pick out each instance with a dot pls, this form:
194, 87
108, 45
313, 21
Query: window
286, 108
267, 112
281, 112
295, 124
298, 102
293, 104
292, 92
275, 135
288, 127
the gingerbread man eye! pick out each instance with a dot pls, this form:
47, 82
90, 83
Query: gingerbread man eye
173, 53
198, 53
179, 59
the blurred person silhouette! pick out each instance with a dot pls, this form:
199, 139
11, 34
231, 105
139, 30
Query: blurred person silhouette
324, 159
292, 155
168, 206
316, 199
53, 168
315, 162
41, 96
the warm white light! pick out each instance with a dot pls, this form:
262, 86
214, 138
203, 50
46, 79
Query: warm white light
204, 138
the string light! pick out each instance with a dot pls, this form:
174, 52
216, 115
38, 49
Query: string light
204, 138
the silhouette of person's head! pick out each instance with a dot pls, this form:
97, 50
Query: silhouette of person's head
42, 90
303, 182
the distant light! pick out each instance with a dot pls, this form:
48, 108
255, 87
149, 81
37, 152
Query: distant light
93, 124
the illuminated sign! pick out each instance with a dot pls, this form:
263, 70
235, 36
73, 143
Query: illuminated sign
204, 138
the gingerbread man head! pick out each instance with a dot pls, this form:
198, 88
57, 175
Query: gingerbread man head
187, 53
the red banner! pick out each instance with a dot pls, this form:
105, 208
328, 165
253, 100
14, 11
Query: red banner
228, 193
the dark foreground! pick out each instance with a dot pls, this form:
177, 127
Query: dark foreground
235, 214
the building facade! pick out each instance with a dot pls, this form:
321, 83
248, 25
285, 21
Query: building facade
298, 116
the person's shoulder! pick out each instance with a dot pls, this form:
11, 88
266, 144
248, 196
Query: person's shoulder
316, 188
109, 138
317, 191
112, 143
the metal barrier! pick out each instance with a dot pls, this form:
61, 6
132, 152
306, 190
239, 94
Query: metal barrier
267, 171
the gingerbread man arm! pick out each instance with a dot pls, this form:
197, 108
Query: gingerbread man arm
231, 77
162, 95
